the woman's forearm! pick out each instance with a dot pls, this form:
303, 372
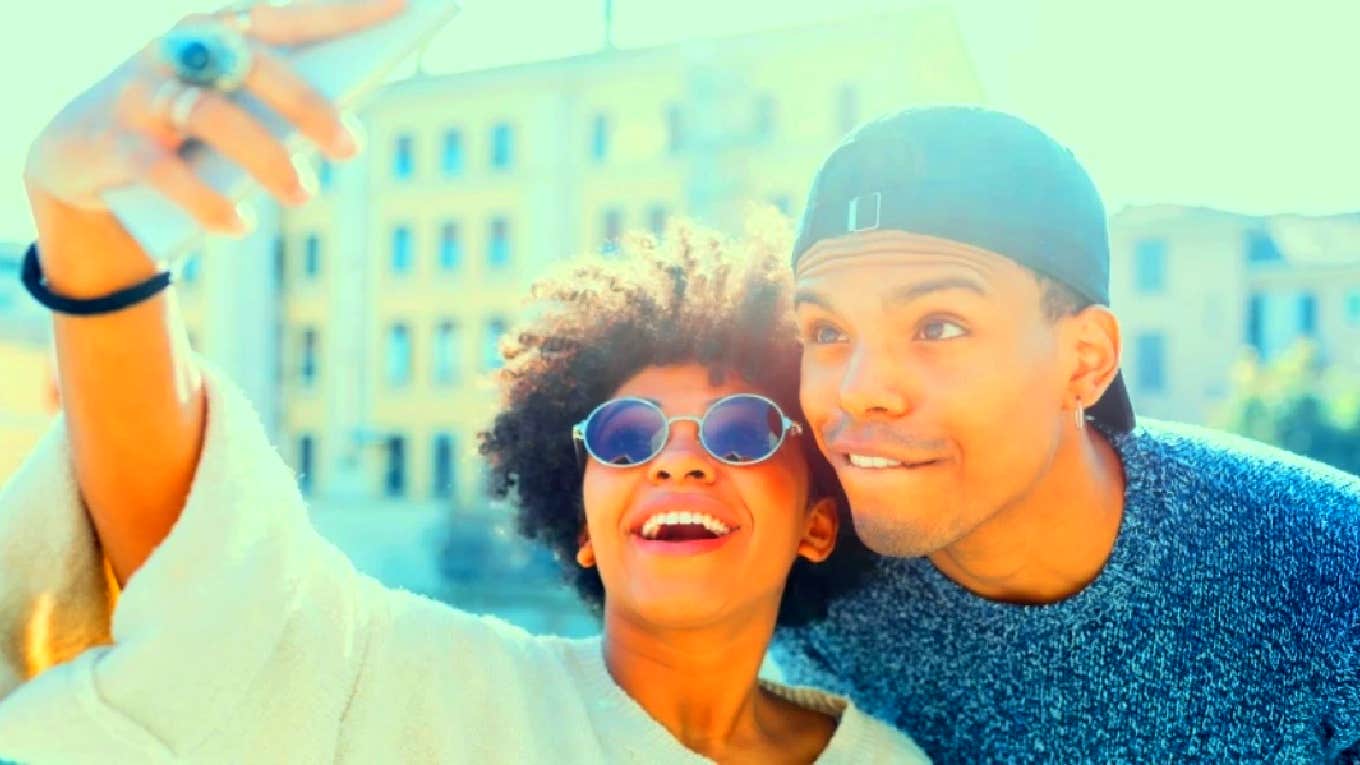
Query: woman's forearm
132, 395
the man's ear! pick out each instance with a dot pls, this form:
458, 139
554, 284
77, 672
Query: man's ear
585, 554
1095, 343
819, 536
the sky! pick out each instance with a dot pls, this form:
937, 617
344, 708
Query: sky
1250, 107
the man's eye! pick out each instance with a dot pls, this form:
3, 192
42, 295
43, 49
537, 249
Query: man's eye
824, 334
941, 329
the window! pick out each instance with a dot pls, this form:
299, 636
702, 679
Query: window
305, 454
847, 109
764, 117
1151, 357
612, 229
1260, 247
189, 271
280, 262
599, 138
1308, 314
491, 343
1256, 317
452, 163
675, 130
1353, 308
325, 174
444, 483
307, 369
1149, 266
394, 482
402, 256
656, 220
446, 342
312, 256
502, 146
403, 157
450, 247
398, 359
498, 244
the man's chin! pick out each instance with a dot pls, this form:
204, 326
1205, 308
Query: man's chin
887, 532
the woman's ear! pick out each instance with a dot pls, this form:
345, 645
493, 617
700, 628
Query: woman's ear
585, 554
819, 538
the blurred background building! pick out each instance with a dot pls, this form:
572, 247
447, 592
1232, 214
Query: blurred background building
28, 398
365, 325
1198, 290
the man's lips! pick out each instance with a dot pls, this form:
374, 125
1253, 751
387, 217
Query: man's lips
877, 456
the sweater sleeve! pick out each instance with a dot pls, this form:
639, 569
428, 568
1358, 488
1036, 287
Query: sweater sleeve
242, 605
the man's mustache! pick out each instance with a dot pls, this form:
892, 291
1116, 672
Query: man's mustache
882, 434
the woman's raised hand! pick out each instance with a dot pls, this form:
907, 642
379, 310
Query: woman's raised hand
127, 127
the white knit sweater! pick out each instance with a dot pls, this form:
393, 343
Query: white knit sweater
246, 637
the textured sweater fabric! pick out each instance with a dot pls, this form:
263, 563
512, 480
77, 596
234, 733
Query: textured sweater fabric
1224, 627
245, 637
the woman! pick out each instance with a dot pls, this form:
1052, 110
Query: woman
242, 636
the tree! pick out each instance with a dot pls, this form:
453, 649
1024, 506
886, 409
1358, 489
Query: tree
1298, 403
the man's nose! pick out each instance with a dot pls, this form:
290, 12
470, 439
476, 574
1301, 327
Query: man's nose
875, 383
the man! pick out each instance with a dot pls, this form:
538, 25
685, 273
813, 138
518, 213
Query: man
1061, 583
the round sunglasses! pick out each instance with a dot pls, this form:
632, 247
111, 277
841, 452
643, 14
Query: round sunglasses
740, 429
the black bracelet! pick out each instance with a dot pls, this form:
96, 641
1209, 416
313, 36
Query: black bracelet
32, 278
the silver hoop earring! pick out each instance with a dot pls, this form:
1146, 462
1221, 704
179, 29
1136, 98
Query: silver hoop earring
1081, 416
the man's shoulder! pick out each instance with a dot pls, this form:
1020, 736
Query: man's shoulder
1230, 468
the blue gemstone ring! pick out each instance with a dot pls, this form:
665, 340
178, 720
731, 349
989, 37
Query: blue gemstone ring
209, 55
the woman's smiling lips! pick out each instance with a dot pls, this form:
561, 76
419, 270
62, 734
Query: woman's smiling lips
647, 524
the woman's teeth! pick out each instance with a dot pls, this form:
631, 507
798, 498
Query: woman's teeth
652, 529
861, 461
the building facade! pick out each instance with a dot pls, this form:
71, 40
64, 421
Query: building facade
376, 310
1197, 289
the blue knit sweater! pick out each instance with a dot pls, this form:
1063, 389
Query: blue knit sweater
1225, 626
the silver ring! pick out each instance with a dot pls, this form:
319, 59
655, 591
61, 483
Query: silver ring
182, 107
208, 55
165, 95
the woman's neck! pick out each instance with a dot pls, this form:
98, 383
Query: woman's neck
702, 683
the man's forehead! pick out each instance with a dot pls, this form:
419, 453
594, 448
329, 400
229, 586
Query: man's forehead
881, 251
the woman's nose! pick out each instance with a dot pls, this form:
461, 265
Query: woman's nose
682, 457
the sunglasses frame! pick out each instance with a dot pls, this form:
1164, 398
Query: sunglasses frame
789, 426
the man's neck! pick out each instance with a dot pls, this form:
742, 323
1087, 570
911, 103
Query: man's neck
1053, 541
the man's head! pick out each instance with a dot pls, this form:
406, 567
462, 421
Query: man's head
952, 273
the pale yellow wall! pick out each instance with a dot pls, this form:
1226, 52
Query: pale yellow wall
27, 400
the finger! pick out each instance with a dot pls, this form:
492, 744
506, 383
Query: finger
284, 91
231, 130
164, 171
296, 24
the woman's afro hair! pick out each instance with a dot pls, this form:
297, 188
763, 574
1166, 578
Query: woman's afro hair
693, 297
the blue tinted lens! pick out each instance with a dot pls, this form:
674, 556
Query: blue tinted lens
625, 432
742, 429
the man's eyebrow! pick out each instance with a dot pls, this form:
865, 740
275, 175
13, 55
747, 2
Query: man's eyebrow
808, 297
909, 292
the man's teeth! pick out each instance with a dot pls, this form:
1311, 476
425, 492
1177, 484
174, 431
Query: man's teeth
861, 461
652, 527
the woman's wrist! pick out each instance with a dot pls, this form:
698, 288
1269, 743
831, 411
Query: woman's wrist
85, 253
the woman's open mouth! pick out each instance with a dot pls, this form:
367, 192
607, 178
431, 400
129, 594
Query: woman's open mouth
682, 533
